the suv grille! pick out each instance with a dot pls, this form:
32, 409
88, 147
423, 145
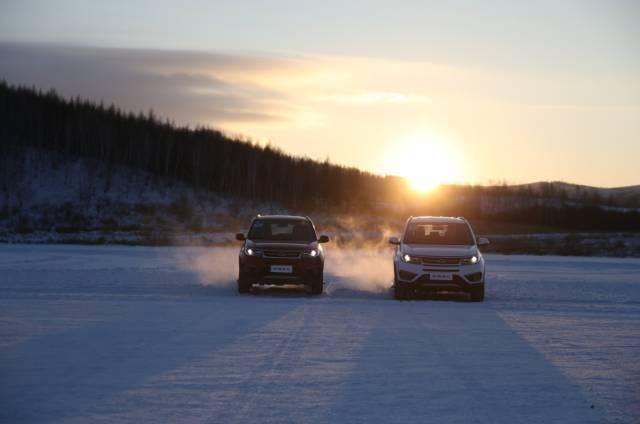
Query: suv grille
281, 254
442, 260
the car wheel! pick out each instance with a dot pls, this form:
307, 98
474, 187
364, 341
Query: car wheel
317, 286
477, 293
400, 293
244, 285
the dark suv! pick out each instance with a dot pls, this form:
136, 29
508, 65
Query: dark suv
281, 249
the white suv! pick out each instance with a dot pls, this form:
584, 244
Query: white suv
438, 254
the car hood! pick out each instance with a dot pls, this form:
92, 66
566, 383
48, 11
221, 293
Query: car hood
432, 250
279, 245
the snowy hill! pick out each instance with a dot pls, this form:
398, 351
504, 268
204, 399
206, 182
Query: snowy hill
50, 197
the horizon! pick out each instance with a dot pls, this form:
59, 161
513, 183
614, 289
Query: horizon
540, 108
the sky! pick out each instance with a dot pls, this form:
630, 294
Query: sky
456, 91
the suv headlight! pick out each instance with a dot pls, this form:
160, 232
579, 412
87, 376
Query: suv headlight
410, 259
249, 251
472, 260
313, 253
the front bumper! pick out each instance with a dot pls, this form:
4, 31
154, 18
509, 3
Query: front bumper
418, 276
258, 270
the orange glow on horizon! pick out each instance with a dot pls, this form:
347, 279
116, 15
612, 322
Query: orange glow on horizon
425, 161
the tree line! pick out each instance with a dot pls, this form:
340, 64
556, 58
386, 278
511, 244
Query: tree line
202, 157
209, 159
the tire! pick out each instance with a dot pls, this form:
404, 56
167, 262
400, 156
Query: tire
244, 285
400, 293
317, 286
477, 293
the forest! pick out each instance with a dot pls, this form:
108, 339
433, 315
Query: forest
208, 159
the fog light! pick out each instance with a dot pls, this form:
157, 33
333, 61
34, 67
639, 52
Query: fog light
475, 277
406, 275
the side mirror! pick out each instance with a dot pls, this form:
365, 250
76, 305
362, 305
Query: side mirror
394, 240
483, 241
240, 237
323, 239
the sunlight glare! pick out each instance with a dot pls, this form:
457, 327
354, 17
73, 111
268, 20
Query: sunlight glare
425, 161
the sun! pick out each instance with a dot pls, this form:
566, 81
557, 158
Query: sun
423, 182
426, 161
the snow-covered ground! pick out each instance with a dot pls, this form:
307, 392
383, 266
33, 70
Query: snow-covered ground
135, 334
55, 198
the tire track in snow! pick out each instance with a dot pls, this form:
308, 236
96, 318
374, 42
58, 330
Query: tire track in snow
263, 378
296, 362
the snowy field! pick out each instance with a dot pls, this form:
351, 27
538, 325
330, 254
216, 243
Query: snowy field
139, 334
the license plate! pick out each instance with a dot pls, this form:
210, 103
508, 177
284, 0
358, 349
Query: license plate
283, 269
441, 276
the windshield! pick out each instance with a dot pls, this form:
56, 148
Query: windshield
440, 234
282, 230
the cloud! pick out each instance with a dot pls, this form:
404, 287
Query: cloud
190, 87
229, 91
375, 98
